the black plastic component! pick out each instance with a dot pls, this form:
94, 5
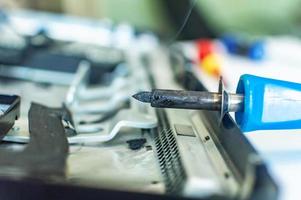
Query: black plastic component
136, 144
10, 111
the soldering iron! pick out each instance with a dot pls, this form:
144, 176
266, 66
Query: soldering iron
259, 103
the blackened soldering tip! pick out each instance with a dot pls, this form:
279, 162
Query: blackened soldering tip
143, 96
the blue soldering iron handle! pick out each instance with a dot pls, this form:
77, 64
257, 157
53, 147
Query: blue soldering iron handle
269, 104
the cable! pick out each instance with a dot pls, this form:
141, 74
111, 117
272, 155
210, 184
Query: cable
192, 5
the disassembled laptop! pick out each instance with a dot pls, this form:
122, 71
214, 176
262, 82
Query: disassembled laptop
79, 133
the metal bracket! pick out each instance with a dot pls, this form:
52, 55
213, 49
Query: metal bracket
225, 100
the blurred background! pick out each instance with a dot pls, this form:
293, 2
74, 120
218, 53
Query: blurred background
208, 17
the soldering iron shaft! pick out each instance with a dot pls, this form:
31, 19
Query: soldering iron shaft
190, 100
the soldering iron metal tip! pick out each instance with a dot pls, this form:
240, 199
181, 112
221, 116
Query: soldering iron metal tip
143, 96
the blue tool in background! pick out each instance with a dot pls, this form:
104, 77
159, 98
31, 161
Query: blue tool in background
255, 50
259, 103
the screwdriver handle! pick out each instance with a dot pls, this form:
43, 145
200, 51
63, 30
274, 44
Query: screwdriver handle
268, 104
